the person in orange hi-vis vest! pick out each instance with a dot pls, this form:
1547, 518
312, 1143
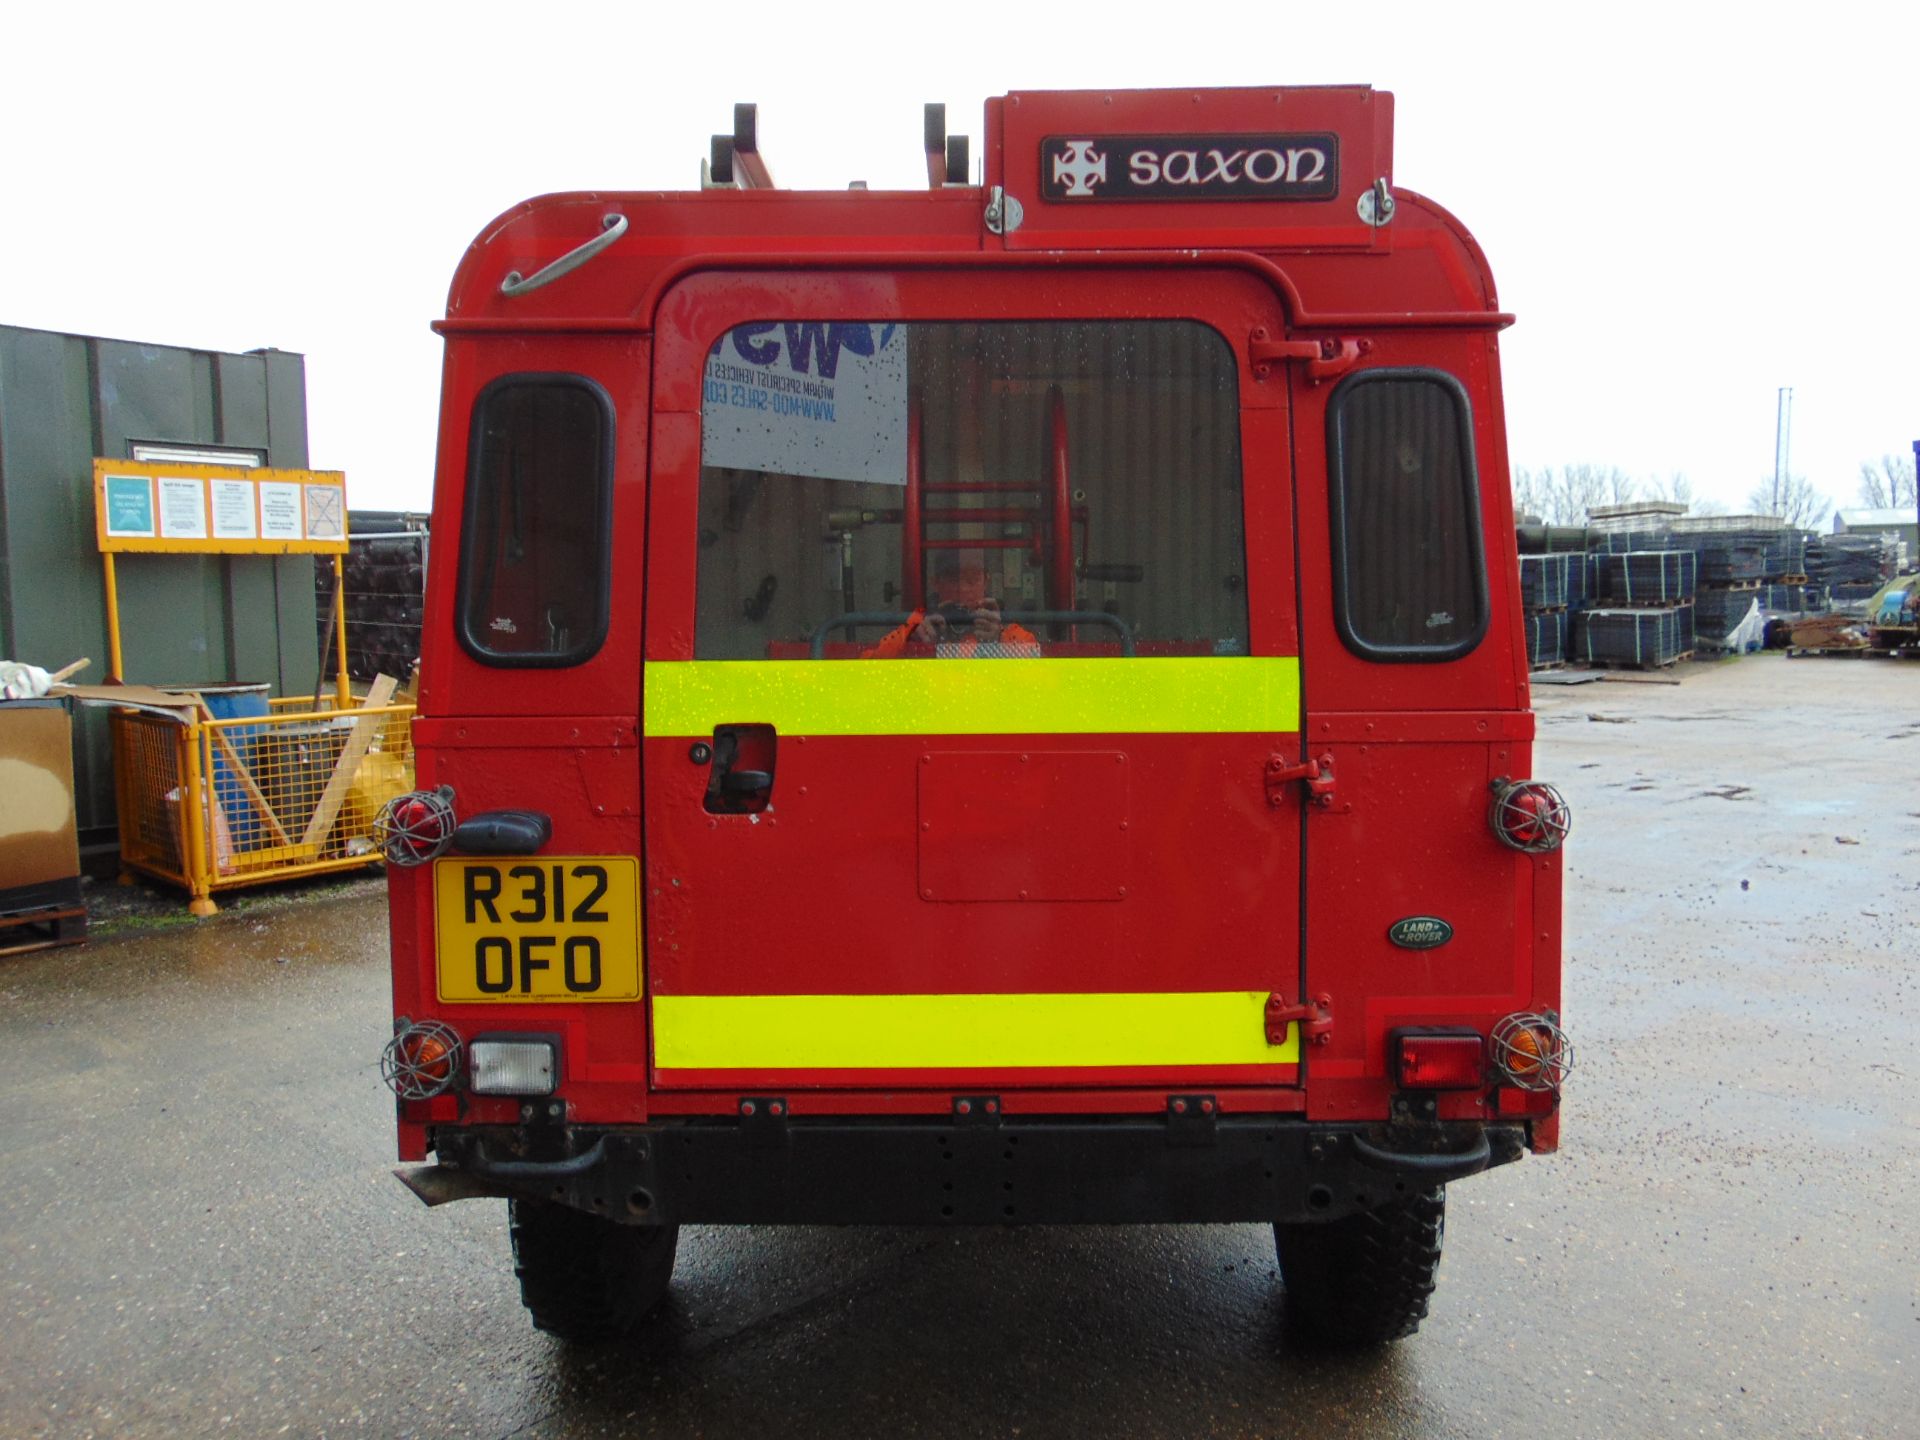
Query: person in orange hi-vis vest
959, 618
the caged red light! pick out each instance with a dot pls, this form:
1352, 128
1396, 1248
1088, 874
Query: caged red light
1530, 816
416, 827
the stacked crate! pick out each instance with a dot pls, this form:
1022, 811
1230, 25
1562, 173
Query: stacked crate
1644, 612
1547, 588
1731, 566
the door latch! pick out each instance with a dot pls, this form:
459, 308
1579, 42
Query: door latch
1314, 1017
1325, 358
1318, 775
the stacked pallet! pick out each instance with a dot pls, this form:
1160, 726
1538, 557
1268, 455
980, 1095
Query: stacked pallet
1637, 638
1852, 567
1644, 614
1546, 588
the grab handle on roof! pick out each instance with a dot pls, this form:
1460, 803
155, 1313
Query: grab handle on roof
613, 226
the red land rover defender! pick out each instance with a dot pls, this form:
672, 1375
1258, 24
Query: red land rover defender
998, 704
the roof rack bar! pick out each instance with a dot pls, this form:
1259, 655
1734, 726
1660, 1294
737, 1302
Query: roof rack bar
749, 166
947, 157
936, 145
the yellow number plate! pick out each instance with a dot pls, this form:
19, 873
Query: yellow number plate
545, 927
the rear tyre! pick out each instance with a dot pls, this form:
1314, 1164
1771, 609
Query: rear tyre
585, 1278
1365, 1279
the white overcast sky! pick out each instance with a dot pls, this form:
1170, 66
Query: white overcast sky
1686, 208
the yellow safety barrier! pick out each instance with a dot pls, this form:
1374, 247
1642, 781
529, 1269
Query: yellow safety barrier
212, 804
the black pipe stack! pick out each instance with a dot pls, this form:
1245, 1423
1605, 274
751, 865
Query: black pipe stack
386, 587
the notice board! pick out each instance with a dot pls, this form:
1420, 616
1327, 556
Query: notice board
218, 509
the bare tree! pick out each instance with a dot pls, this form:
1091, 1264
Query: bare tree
1530, 493
1800, 505
1887, 483
1676, 489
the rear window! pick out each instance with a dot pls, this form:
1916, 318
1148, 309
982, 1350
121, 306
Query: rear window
534, 553
1410, 572
970, 491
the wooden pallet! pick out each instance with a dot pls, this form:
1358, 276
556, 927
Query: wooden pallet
1732, 587
1789, 580
24, 930
1637, 664
1671, 604
1794, 652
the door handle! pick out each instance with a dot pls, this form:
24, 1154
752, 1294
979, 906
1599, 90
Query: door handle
742, 761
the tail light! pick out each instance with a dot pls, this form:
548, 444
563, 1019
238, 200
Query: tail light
1531, 1052
421, 1061
1439, 1060
1529, 815
416, 827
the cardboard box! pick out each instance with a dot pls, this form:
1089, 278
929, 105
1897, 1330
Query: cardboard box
39, 849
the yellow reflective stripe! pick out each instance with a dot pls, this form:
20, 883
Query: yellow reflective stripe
1186, 695
908, 1032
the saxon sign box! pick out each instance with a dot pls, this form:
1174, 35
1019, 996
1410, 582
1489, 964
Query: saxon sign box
1190, 167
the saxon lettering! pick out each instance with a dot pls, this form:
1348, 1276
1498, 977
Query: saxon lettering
1266, 166
1294, 159
1187, 167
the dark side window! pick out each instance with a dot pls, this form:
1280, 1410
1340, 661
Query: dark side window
534, 553
1410, 576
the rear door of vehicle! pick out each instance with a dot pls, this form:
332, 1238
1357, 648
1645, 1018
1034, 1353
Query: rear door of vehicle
1051, 864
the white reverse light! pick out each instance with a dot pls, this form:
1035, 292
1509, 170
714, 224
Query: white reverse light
511, 1067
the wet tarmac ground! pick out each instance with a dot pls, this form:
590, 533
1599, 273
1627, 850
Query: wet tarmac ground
199, 1234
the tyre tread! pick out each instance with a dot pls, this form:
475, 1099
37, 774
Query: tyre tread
1366, 1278
584, 1278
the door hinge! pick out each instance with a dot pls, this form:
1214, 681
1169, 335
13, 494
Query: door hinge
1325, 358
1314, 1017
1318, 775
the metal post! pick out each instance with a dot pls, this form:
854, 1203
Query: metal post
196, 814
1782, 442
343, 685
1914, 559
114, 657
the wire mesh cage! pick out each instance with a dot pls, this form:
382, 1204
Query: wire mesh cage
421, 1060
1530, 816
1531, 1052
211, 803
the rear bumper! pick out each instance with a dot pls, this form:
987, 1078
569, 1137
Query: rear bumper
937, 1171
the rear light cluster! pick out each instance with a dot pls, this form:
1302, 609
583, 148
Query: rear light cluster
1525, 1051
1531, 1052
416, 827
512, 1067
1440, 1060
1530, 816
421, 1061
426, 1058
